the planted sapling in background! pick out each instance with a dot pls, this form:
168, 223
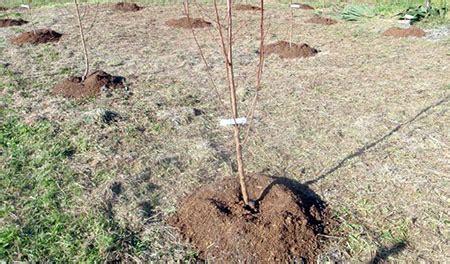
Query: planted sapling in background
90, 84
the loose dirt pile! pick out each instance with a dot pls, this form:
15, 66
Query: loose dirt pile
287, 51
284, 230
7, 22
127, 7
187, 23
305, 7
37, 37
321, 20
75, 88
404, 32
244, 7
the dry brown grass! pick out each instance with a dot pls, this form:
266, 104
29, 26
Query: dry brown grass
364, 124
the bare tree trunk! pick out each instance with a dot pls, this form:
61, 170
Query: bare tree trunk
86, 57
291, 23
226, 43
232, 86
427, 3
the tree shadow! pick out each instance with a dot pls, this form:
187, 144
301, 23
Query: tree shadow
307, 199
384, 252
368, 146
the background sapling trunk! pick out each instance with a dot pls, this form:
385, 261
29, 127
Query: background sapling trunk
83, 41
291, 18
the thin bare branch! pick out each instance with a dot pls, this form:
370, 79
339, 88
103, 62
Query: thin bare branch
86, 57
202, 55
251, 114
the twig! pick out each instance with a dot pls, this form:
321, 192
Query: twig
259, 73
186, 10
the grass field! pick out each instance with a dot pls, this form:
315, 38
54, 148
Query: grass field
364, 124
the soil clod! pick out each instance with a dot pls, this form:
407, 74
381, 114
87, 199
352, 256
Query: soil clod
404, 32
122, 6
7, 22
284, 228
187, 23
289, 51
37, 37
245, 7
321, 20
93, 85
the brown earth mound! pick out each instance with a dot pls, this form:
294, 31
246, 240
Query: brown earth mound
306, 7
284, 229
75, 88
243, 7
37, 37
186, 23
321, 20
6, 22
404, 32
127, 7
287, 51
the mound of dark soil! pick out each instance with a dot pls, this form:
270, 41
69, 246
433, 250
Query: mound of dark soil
305, 7
283, 230
287, 51
404, 32
7, 22
244, 7
186, 23
127, 7
321, 20
75, 88
37, 37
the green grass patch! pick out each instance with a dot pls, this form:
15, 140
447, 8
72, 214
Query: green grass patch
40, 213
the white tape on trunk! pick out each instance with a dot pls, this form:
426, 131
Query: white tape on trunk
295, 5
237, 121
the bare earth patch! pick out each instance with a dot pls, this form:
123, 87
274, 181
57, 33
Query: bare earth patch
245, 7
289, 51
321, 20
305, 7
285, 228
123, 6
8, 22
39, 36
404, 32
188, 23
75, 88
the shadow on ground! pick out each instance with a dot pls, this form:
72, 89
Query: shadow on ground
384, 252
368, 146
